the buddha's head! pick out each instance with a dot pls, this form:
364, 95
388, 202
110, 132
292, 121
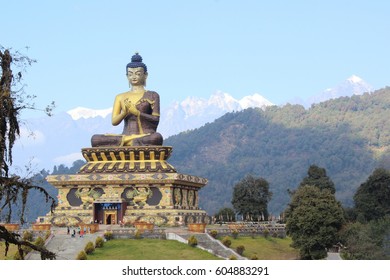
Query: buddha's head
136, 71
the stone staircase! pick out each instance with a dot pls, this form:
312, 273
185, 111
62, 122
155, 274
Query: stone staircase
206, 242
64, 246
67, 247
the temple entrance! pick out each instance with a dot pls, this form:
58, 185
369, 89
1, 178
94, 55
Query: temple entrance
110, 217
108, 213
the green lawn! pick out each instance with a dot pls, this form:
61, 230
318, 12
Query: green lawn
266, 248
153, 249
148, 249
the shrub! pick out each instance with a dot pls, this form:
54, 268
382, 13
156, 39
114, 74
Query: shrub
82, 256
253, 233
138, 234
108, 235
192, 241
214, 233
254, 257
28, 235
99, 242
226, 241
235, 233
240, 249
274, 234
266, 233
232, 257
39, 242
89, 248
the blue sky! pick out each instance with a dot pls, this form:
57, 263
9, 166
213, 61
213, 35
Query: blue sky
280, 49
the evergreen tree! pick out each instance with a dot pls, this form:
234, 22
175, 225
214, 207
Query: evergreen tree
316, 176
251, 196
367, 241
372, 198
313, 219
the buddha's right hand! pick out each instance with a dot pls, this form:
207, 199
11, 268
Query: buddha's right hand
130, 108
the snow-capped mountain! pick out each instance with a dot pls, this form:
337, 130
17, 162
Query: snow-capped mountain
86, 113
194, 112
55, 140
354, 85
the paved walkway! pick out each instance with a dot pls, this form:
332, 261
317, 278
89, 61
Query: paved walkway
333, 256
65, 246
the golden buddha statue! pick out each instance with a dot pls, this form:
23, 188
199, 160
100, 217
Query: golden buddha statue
138, 108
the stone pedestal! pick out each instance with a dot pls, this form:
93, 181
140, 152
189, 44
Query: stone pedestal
124, 185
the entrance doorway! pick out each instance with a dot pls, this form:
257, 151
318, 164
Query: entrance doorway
110, 217
108, 213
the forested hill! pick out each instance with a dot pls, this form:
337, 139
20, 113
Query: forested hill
348, 136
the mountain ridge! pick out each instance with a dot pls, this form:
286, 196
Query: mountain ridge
348, 136
59, 139
342, 135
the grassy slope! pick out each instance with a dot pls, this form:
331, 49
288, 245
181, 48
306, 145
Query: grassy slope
148, 249
266, 248
145, 249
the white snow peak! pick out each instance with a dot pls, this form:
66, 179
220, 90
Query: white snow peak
255, 100
86, 113
354, 85
355, 79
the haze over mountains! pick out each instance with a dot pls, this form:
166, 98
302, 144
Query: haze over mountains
55, 140
348, 136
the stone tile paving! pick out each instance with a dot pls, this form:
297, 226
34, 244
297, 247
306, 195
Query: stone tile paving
65, 246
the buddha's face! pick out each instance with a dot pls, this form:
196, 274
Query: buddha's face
136, 76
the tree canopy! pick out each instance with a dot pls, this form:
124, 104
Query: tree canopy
313, 219
316, 176
251, 196
225, 215
348, 136
372, 198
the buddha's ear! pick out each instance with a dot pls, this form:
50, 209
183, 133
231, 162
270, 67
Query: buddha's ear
146, 77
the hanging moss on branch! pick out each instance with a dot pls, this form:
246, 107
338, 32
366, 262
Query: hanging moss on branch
13, 188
